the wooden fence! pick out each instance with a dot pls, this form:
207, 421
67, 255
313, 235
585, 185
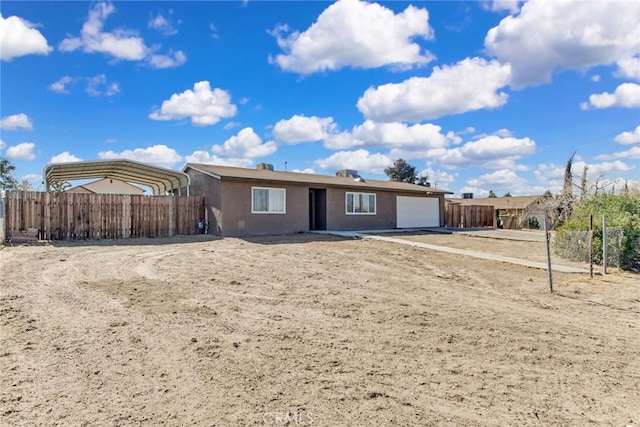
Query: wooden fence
459, 216
77, 216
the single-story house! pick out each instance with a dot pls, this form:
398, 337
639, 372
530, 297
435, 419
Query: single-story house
107, 186
242, 201
511, 212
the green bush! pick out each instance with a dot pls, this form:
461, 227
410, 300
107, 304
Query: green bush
621, 211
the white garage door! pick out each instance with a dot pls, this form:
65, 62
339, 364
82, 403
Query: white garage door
417, 212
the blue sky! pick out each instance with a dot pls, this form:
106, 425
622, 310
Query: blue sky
483, 95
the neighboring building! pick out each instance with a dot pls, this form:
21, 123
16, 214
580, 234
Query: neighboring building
511, 212
107, 186
262, 201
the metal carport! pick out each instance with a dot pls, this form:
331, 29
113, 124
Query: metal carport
160, 180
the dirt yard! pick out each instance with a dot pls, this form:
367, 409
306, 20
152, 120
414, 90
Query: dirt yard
310, 330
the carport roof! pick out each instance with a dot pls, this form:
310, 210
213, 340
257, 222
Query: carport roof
160, 180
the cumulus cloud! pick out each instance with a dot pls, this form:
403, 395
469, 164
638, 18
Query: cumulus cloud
305, 170
121, 44
354, 33
361, 160
157, 154
629, 138
577, 35
202, 104
3, 145
19, 37
245, 145
493, 152
503, 178
60, 86
205, 157
629, 68
394, 135
471, 84
626, 95
300, 128
16, 122
23, 151
65, 157
98, 86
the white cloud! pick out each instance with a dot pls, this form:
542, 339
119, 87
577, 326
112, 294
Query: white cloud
65, 157
504, 178
157, 154
357, 34
98, 86
305, 170
439, 178
395, 135
361, 160
3, 145
23, 151
511, 6
162, 24
32, 177
231, 125
631, 153
60, 86
342, 141
629, 68
171, 60
206, 158
16, 122
19, 37
570, 34
629, 138
471, 84
300, 128
626, 95
202, 104
245, 145
121, 44
493, 152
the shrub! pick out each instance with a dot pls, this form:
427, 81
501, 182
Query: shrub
621, 210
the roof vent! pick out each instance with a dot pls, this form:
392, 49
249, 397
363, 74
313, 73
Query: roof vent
348, 173
264, 166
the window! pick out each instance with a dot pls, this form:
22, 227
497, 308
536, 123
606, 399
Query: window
361, 204
268, 200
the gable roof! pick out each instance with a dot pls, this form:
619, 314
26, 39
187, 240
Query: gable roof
515, 202
222, 172
160, 180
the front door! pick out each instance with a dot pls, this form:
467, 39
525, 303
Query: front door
317, 209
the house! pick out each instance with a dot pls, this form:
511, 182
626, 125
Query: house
511, 212
107, 186
242, 201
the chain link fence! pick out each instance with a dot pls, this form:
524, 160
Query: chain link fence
574, 245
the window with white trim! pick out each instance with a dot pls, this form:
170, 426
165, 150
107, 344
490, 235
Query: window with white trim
361, 203
268, 200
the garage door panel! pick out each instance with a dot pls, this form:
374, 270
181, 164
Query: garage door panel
413, 212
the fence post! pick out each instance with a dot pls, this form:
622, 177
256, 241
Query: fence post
591, 245
549, 276
604, 245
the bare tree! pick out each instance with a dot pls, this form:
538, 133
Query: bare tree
583, 184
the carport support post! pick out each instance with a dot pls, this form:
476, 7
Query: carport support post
546, 238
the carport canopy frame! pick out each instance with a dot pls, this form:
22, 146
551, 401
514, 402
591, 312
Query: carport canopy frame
160, 180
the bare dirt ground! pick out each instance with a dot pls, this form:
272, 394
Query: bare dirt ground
309, 330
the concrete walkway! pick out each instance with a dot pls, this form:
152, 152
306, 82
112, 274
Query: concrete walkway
455, 251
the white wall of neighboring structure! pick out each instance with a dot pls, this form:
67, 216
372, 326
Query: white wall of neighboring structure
108, 186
